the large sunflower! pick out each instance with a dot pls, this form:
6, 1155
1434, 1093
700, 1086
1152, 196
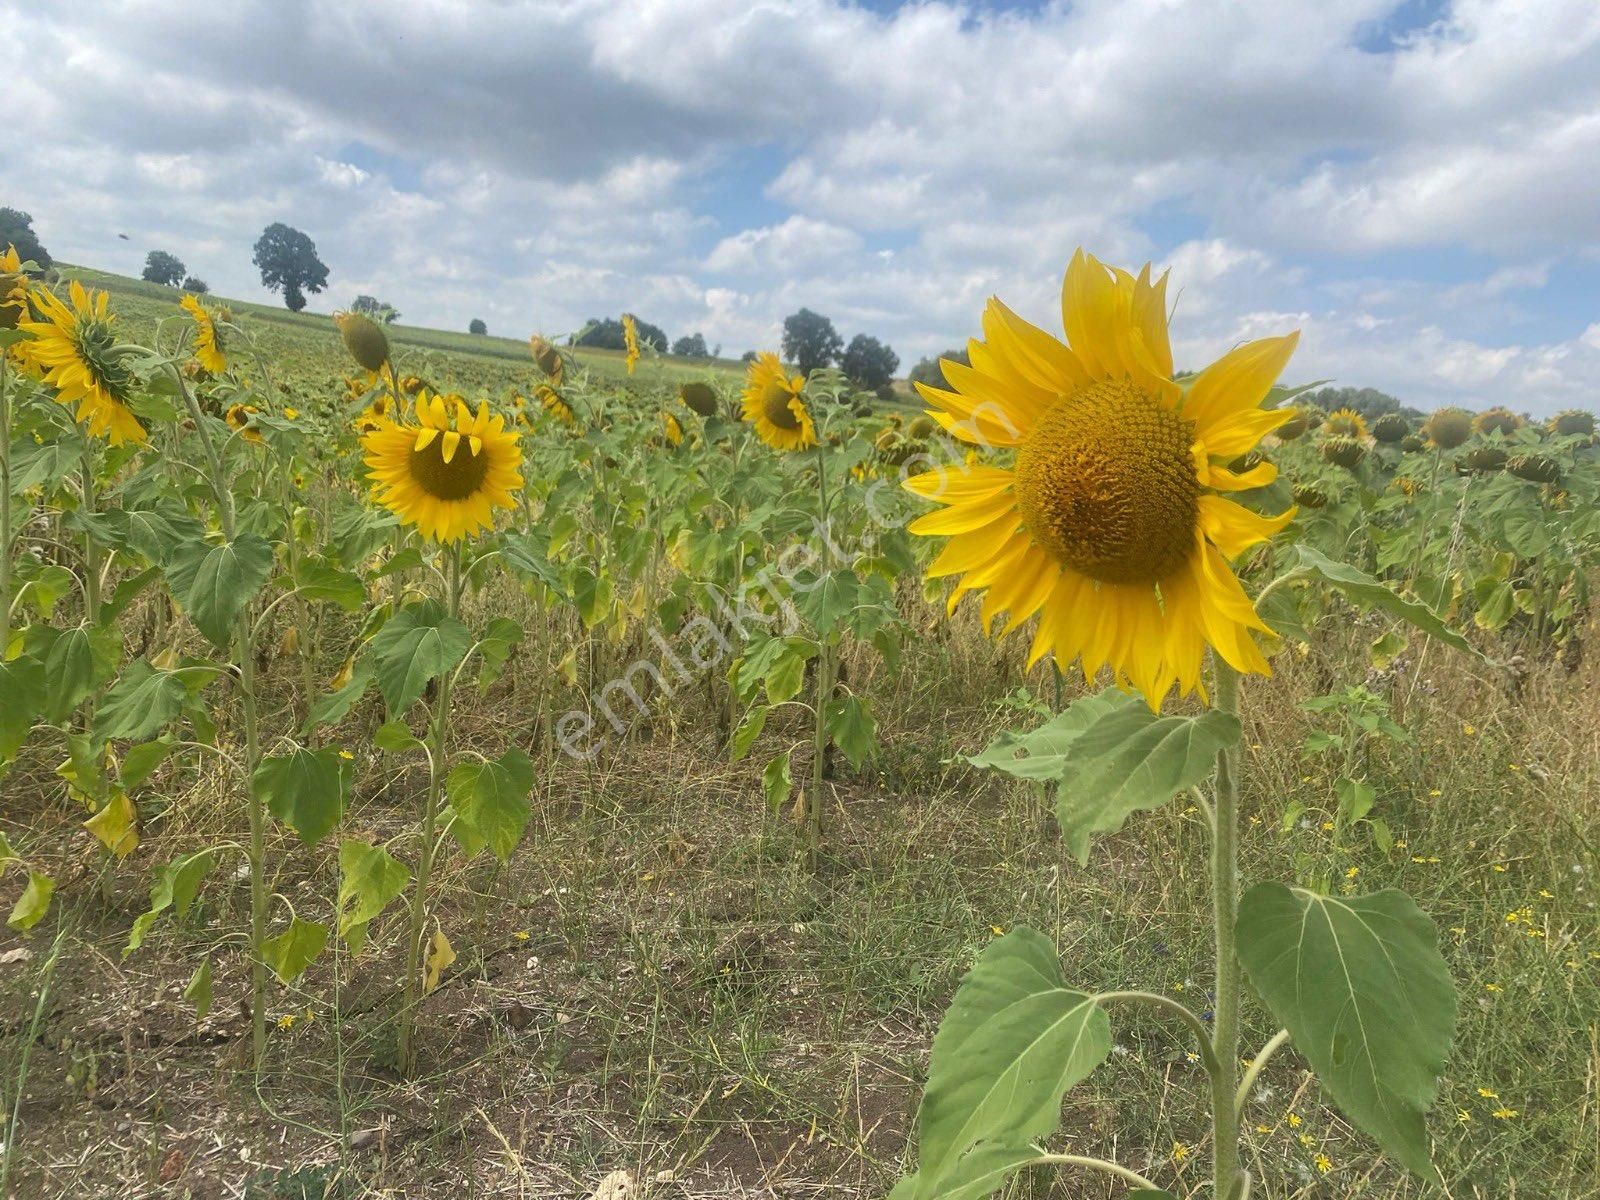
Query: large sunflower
207, 337
1108, 524
74, 350
773, 403
445, 476
630, 340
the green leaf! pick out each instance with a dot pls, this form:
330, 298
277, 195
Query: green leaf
34, 902
140, 703
295, 949
419, 643
852, 728
78, 661
395, 737
198, 992
22, 702
1015, 1039
749, 730
828, 601
495, 647
1365, 590
214, 584
491, 802
323, 582
369, 878
787, 676
1363, 991
175, 887
1041, 755
141, 760
776, 781
305, 789
332, 707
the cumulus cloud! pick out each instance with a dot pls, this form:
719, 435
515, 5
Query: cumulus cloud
1403, 188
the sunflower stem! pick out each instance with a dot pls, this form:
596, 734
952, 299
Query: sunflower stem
5, 503
1225, 904
437, 749
825, 673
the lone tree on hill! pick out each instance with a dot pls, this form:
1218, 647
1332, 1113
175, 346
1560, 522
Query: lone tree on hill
477, 326
289, 264
195, 284
161, 267
377, 310
16, 229
691, 346
868, 362
810, 341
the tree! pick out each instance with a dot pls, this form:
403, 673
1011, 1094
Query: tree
868, 362
375, 309
928, 372
477, 326
693, 346
810, 341
288, 262
16, 229
606, 334
193, 283
1369, 402
748, 357
163, 268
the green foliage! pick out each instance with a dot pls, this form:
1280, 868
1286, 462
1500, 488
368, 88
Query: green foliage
295, 949
16, 229
163, 268
868, 362
415, 646
810, 341
489, 801
288, 262
369, 878
305, 789
214, 584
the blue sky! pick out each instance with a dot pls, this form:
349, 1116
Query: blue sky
1414, 185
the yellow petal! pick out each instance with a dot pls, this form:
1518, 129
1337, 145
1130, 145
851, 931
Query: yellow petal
1233, 529
1236, 384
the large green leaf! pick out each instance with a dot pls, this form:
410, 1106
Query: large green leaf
22, 702
321, 581
140, 703
1365, 590
34, 902
369, 878
852, 728
175, 887
305, 789
293, 950
490, 800
1041, 755
1362, 989
1131, 760
77, 662
213, 584
1015, 1039
419, 643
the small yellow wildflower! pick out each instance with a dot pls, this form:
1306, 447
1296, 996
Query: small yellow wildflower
289, 414
1504, 1114
1463, 1117
1179, 1152
997, 931
1546, 894
1512, 767
1323, 1163
1294, 1120
1500, 868
522, 935
1306, 1140
1488, 1093
1352, 872
287, 1021
1468, 729
346, 755
1327, 826
1263, 1129
1436, 793
1493, 987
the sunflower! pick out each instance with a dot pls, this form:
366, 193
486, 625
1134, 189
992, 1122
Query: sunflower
207, 338
774, 405
13, 289
671, 429
238, 419
699, 397
1497, 420
1109, 524
365, 340
556, 406
1345, 422
445, 476
1448, 428
74, 349
375, 414
547, 357
630, 340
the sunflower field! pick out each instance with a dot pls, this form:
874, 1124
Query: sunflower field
522, 770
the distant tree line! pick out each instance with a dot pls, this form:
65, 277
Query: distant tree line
606, 334
811, 342
1369, 402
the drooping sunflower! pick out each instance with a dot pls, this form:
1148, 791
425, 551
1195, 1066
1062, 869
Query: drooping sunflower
74, 349
556, 406
1345, 422
630, 340
207, 338
449, 472
671, 429
13, 289
775, 405
365, 340
548, 358
375, 414
1110, 525
238, 419
1497, 420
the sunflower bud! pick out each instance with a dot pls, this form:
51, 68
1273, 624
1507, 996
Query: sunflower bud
699, 397
1310, 495
1448, 428
1342, 450
1483, 458
1497, 420
922, 427
1390, 428
1535, 468
1248, 461
1411, 443
1573, 423
365, 340
547, 357
1294, 427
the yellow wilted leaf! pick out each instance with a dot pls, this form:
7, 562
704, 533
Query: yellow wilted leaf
116, 825
167, 660
289, 645
567, 668
342, 679
440, 956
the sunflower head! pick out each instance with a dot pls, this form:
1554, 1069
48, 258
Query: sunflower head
13, 289
1574, 422
547, 358
1484, 459
698, 397
775, 404
1534, 467
1342, 450
208, 348
1111, 524
1407, 487
921, 426
1412, 443
1390, 428
74, 350
364, 338
1448, 428
449, 472
1295, 426
1497, 420
630, 340
412, 384
238, 419
671, 430
553, 404
1345, 422
1310, 495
